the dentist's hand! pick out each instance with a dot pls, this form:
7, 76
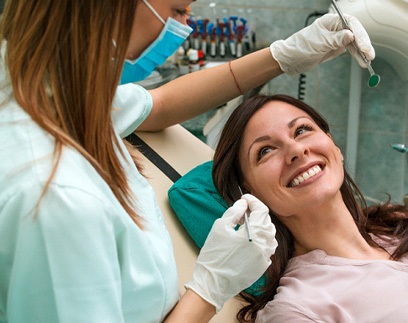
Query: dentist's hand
323, 40
228, 262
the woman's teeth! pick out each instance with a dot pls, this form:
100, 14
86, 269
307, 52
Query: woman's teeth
306, 175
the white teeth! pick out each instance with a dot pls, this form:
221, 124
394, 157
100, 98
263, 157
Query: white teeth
306, 175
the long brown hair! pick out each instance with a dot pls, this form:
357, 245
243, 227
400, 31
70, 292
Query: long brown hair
64, 69
386, 219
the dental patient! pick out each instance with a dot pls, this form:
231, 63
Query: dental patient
337, 260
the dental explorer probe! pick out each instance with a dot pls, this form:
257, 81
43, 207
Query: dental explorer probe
374, 78
246, 220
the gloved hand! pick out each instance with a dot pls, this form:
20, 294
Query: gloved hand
323, 40
228, 262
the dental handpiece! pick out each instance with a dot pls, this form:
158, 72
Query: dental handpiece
246, 220
374, 78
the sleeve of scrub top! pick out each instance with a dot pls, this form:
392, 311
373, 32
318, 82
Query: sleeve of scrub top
66, 264
131, 106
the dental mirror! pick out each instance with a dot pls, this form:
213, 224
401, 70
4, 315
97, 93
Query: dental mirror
374, 79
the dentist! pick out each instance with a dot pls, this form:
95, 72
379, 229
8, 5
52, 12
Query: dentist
82, 238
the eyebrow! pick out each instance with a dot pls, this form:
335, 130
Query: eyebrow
259, 139
292, 123
265, 138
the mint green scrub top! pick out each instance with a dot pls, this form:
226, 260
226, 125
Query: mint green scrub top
80, 257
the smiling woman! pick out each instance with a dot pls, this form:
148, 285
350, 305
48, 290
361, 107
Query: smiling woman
280, 150
280, 153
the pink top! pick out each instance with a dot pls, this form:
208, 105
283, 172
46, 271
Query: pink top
317, 287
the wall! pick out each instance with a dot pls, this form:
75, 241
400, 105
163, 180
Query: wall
383, 119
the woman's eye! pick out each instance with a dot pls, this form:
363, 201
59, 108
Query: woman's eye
262, 152
181, 12
302, 129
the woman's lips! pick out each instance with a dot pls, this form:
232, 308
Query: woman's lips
312, 171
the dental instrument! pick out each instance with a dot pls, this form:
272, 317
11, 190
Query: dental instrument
400, 147
374, 79
246, 220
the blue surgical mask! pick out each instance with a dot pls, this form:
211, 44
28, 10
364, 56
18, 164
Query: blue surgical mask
170, 39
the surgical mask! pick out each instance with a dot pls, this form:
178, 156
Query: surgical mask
170, 39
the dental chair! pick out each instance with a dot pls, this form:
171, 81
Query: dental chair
176, 151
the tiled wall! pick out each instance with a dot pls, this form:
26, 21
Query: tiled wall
383, 116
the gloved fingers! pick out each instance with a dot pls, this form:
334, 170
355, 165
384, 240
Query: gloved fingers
267, 241
262, 229
235, 213
330, 22
370, 55
337, 34
228, 262
344, 38
361, 37
263, 235
333, 54
255, 204
354, 52
259, 212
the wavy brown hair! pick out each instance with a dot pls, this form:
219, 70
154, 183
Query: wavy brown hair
387, 219
64, 70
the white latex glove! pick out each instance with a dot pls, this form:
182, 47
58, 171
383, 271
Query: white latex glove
323, 40
228, 262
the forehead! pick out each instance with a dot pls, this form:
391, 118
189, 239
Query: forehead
276, 113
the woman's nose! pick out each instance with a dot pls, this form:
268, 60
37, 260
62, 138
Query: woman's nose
295, 151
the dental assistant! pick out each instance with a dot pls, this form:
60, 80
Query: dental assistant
82, 238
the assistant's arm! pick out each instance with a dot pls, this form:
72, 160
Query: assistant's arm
198, 92
191, 308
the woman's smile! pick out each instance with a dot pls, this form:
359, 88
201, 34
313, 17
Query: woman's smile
304, 176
